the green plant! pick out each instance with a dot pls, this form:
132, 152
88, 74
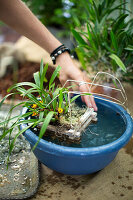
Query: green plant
105, 41
47, 107
46, 11
60, 13
52, 13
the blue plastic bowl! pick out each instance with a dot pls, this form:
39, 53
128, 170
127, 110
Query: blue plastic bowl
78, 161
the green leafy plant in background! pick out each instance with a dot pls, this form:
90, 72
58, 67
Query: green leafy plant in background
53, 13
47, 11
105, 42
49, 104
60, 14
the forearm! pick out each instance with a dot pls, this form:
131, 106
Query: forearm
15, 14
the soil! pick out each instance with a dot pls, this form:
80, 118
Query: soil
24, 74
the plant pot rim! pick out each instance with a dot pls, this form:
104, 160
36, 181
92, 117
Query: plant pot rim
90, 151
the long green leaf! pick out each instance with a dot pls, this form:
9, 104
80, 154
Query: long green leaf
54, 75
78, 37
81, 57
114, 41
118, 61
23, 84
13, 141
74, 98
119, 24
30, 91
37, 78
2, 101
96, 11
91, 39
60, 98
44, 126
108, 47
16, 117
43, 76
54, 103
30, 96
41, 67
129, 48
15, 124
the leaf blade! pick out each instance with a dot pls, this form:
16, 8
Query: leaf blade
54, 75
118, 61
44, 127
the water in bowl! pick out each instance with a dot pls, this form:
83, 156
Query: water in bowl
109, 127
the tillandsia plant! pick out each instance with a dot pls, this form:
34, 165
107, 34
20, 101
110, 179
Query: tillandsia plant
105, 40
44, 105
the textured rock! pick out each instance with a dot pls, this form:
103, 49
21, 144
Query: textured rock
22, 177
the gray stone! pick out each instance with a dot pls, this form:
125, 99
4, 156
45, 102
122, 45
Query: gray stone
21, 179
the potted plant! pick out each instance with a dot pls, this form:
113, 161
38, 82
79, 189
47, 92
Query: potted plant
43, 106
105, 39
93, 153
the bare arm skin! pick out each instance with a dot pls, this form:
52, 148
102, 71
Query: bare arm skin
16, 14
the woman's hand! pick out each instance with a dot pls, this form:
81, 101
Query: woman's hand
70, 71
28, 25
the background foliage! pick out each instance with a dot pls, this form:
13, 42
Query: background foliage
51, 12
106, 39
103, 31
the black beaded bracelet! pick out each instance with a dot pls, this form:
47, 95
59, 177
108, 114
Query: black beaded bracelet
58, 51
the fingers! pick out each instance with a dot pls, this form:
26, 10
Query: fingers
88, 99
63, 78
91, 102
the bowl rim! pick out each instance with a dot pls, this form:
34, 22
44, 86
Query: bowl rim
56, 149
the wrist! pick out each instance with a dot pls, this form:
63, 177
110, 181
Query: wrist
58, 52
69, 67
64, 57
